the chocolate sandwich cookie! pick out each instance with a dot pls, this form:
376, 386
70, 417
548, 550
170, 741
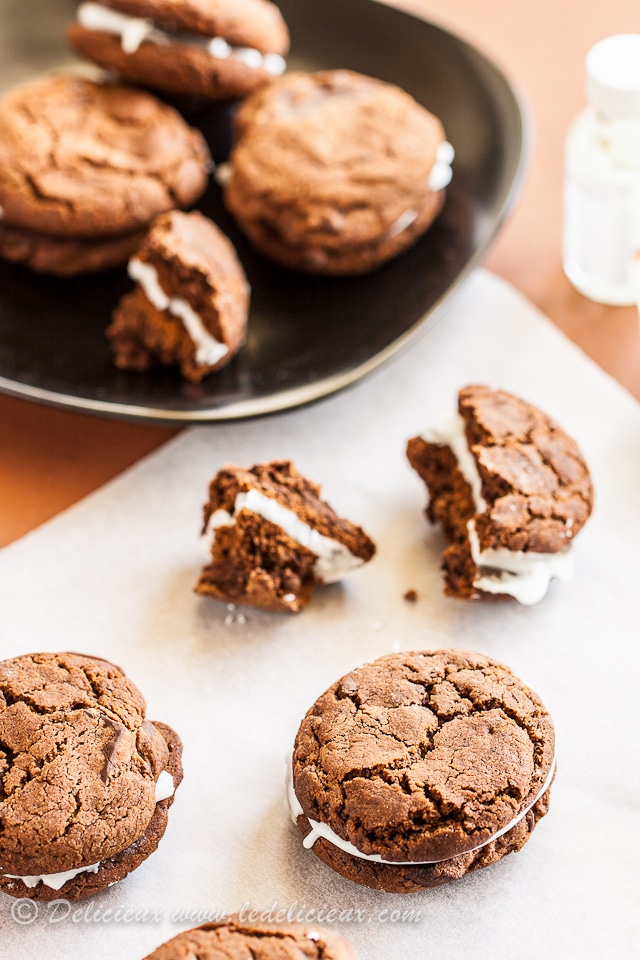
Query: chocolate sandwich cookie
274, 539
236, 940
86, 781
190, 305
335, 172
511, 492
419, 768
208, 49
84, 169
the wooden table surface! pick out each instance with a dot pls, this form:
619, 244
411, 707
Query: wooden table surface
51, 458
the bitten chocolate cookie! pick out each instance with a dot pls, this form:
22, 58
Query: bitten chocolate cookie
418, 768
191, 301
237, 940
84, 169
335, 172
511, 492
274, 539
86, 781
209, 49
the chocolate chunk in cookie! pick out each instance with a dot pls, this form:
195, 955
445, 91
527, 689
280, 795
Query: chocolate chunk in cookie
236, 939
84, 169
510, 490
207, 49
335, 172
86, 781
418, 768
274, 539
190, 306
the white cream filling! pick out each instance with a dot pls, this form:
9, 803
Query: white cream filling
450, 432
134, 31
54, 880
165, 788
322, 830
334, 559
209, 351
223, 173
441, 173
523, 575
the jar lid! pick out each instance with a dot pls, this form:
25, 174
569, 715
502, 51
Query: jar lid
613, 76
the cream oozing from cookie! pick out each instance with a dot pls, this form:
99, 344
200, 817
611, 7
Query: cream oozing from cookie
523, 575
441, 173
54, 880
134, 31
334, 558
323, 831
165, 788
209, 351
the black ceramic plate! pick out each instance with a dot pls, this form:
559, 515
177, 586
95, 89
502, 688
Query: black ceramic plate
307, 337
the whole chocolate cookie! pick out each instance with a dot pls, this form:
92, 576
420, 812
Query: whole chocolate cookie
237, 940
274, 539
511, 491
421, 767
208, 49
335, 172
191, 302
86, 781
84, 169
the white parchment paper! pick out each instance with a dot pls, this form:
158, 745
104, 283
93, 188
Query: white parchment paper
114, 575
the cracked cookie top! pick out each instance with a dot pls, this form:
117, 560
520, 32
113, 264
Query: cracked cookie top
422, 756
237, 940
334, 158
93, 159
535, 482
78, 763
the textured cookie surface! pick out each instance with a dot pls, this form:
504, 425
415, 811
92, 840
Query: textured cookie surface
194, 262
423, 757
237, 940
118, 866
191, 70
78, 767
243, 23
85, 159
254, 560
330, 171
535, 484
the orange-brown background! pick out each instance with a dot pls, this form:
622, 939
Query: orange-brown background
50, 458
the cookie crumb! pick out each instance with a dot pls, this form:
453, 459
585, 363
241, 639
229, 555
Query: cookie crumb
411, 596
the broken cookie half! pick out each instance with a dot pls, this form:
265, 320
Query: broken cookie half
274, 539
510, 490
190, 304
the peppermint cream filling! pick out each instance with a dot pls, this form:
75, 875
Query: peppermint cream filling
334, 559
134, 31
165, 788
322, 830
209, 351
524, 575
